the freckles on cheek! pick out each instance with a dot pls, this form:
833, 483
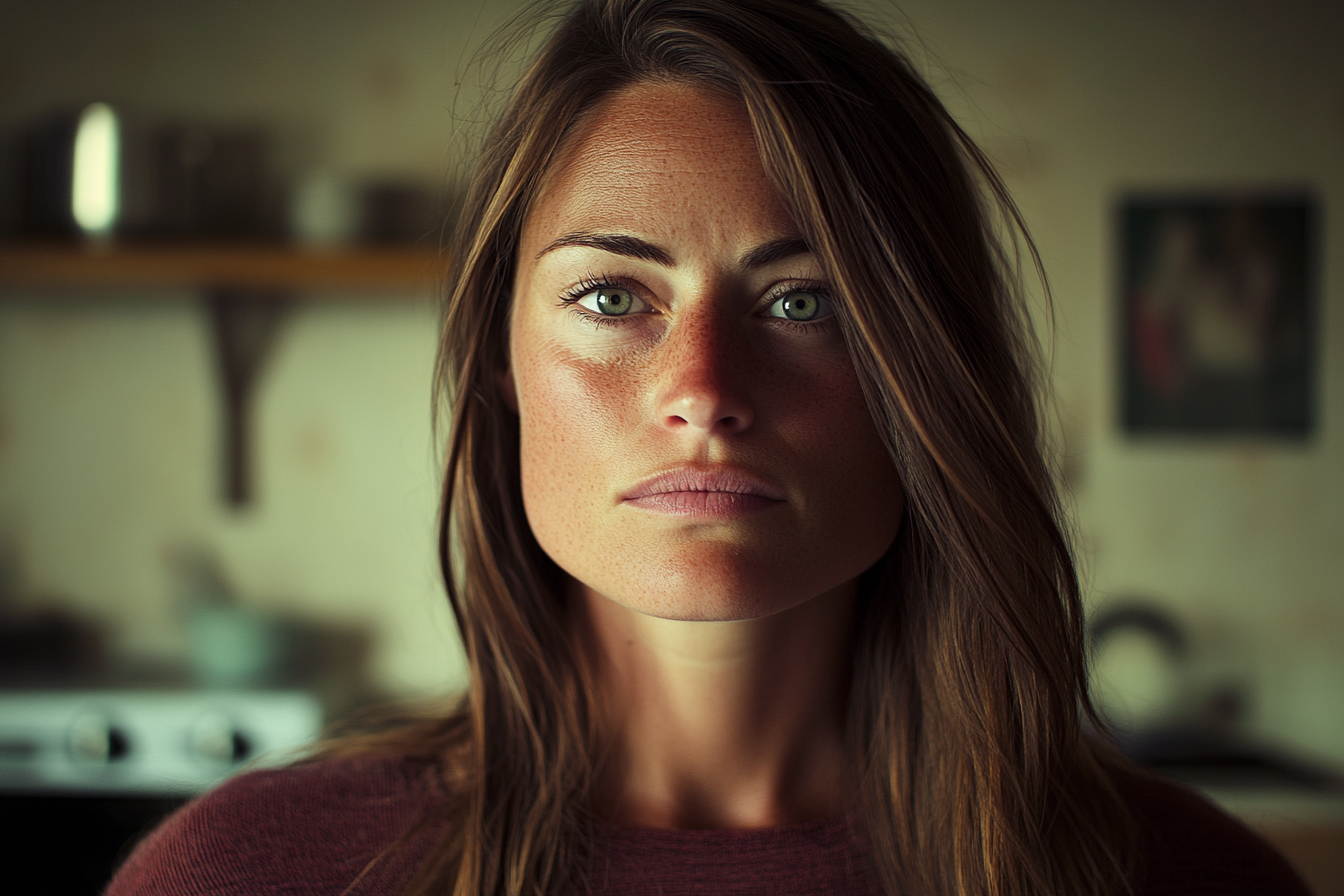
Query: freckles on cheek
814, 400
570, 444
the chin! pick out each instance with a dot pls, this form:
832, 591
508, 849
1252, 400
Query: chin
685, 607
706, 591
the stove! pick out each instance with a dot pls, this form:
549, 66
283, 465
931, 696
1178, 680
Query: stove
85, 774
160, 743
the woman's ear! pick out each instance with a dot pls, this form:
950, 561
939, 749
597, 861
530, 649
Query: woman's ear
507, 390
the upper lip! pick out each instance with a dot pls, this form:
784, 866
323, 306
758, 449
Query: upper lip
733, 480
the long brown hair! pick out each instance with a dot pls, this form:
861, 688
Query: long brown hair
969, 682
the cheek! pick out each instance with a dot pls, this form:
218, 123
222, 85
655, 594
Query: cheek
571, 414
821, 410
850, 474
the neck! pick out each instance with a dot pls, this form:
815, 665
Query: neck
721, 724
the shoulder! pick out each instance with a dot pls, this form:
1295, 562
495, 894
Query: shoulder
1193, 848
310, 828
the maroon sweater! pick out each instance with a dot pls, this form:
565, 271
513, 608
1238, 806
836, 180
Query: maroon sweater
314, 829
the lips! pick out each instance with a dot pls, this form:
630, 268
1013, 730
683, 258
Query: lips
704, 492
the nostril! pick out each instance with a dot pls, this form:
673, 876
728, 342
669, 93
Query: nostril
710, 414
731, 423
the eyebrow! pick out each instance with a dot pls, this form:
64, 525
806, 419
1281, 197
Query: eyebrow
775, 250
615, 243
634, 247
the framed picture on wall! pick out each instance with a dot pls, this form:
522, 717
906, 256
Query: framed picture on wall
1218, 314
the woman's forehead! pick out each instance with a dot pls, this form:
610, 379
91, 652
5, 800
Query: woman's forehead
661, 155
649, 116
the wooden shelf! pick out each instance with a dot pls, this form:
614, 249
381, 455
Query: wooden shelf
248, 289
220, 266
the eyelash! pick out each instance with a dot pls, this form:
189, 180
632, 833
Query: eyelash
570, 297
801, 285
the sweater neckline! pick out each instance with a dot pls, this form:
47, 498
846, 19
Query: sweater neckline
841, 824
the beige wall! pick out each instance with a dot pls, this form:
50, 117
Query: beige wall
109, 463
1244, 540
107, 415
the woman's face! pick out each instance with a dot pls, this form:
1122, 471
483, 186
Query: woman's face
694, 442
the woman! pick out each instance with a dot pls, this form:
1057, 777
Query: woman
746, 525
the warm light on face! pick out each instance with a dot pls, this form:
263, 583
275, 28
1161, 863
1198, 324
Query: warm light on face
694, 442
93, 184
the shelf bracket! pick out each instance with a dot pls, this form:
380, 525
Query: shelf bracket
244, 322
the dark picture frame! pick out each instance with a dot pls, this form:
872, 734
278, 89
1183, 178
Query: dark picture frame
1218, 315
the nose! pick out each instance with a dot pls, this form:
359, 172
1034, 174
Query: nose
701, 386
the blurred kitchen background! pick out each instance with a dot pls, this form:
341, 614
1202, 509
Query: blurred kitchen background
217, 472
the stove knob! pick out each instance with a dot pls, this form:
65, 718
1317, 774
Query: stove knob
94, 739
215, 738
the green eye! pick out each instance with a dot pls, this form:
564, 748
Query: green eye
613, 301
801, 306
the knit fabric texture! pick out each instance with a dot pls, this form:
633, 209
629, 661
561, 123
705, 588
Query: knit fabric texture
336, 827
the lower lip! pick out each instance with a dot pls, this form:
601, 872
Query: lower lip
703, 505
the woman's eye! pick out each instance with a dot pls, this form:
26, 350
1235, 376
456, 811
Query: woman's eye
612, 301
800, 305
